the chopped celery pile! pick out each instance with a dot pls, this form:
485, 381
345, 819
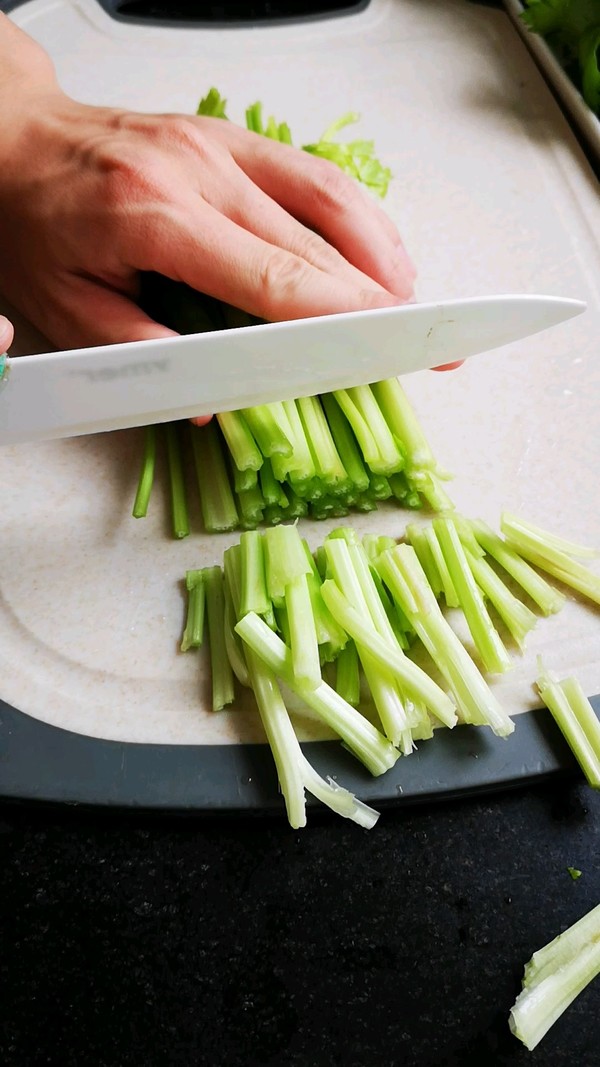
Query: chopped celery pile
554, 977
319, 456
347, 629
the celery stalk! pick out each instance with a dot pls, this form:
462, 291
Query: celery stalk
347, 679
417, 537
364, 739
244, 451
194, 625
179, 508
219, 512
417, 684
325, 455
441, 565
146, 480
406, 580
254, 596
303, 634
222, 677
516, 616
340, 800
554, 978
541, 550
548, 599
576, 720
266, 430
512, 523
403, 423
345, 443
389, 459
494, 656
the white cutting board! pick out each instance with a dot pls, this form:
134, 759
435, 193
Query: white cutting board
491, 193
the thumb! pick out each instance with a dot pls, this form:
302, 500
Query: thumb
6, 334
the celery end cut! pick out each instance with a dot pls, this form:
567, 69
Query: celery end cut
576, 719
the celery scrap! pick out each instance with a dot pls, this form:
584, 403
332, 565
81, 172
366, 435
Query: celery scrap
146, 479
554, 977
575, 718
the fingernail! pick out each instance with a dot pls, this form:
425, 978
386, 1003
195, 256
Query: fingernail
5, 326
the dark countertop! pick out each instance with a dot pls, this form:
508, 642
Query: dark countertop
149, 941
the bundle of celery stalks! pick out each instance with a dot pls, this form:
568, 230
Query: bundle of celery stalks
359, 630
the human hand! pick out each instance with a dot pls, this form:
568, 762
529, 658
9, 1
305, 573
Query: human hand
6, 334
90, 197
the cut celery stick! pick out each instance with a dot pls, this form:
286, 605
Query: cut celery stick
428, 485
361, 429
379, 486
571, 962
510, 524
418, 539
448, 589
303, 635
328, 632
364, 739
252, 507
493, 654
345, 442
415, 682
273, 493
281, 737
406, 580
243, 480
267, 431
548, 599
254, 596
221, 673
233, 645
575, 718
179, 509
516, 616
285, 559
244, 451
389, 458
347, 678
301, 463
194, 625
337, 798
146, 480
552, 560
403, 423
329, 466
219, 512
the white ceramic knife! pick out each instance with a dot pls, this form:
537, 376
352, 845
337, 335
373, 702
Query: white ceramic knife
65, 394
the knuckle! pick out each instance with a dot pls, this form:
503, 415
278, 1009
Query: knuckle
281, 275
333, 189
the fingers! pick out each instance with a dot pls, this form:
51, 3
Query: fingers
6, 334
240, 200
317, 193
450, 366
94, 315
211, 253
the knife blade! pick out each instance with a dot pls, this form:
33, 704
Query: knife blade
110, 387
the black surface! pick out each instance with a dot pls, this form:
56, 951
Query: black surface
139, 941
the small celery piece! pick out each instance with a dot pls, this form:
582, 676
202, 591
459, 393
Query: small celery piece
512, 524
340, 800
329, 634
382, 682
389, 459
544, 551
252, 507
233, 645
441, 566
379, 487
575, 873
194, 625
272, 490
516, 616
494, 656
345, 442
300, 464
146, 480
267, 431
287, 570
554, 977
575, 718
347, 677
406, 580
219, 512
280, 735
364, 739
417, 537
254, 596
244, 451
179, 508
415, 682
243, 480
360, 426
329, 466
404, 424
222, 676
428, 485
356, 158
213, 105
548, 599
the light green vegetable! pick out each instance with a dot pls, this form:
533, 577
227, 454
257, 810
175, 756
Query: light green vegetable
575, 718
554, 977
